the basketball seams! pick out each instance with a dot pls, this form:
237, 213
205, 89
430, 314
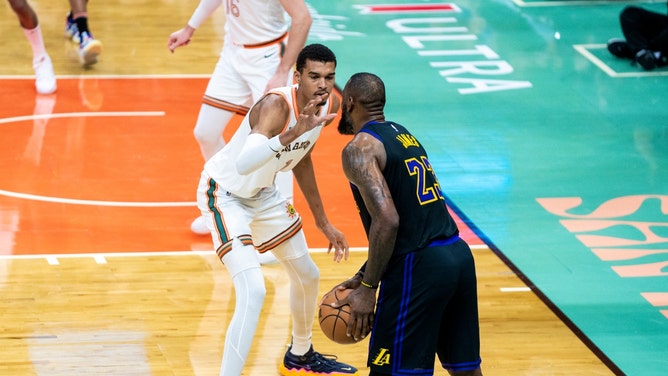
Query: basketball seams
334, 322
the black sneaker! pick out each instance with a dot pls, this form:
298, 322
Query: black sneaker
313, 363
646, 59
620, 48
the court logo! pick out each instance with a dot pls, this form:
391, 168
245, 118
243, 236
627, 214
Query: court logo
382, 358
328, 27
624, 231
435, 32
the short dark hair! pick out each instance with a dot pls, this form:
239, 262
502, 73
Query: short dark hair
315, 52
367, 88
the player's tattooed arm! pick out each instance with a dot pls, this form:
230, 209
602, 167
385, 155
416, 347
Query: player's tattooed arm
361, 165
363, 160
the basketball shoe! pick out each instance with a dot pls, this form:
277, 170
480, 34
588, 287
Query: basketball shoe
651, 59
45, 79
89, 49
198, 226
314, 363
620, 48
71, 28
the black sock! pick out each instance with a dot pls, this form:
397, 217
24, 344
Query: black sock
82, 25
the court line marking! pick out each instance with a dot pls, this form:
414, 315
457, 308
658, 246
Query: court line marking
89, 202
70, 201
583, 49
515, 289
109, 76
81, 114
101, 256
73, 201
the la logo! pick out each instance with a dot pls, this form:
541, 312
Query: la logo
382, 358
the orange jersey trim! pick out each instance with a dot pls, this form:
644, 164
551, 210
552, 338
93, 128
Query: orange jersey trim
295, 102
280, 238
224, 105
269, 43
227, 247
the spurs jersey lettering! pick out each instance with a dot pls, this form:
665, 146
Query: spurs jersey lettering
222, 166
254, 21
414, 188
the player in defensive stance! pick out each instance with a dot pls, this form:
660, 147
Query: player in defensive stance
245, 211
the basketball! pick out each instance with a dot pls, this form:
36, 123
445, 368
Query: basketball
334, 321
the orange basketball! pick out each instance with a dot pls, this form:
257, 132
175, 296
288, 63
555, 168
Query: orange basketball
334, 321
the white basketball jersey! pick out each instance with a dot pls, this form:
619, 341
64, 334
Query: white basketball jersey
222, 166
254, 21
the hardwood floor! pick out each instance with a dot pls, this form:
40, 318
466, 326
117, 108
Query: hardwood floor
165, 313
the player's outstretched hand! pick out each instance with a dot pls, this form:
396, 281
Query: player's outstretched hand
309, 118
337, 241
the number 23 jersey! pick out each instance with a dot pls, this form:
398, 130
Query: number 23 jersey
417, 196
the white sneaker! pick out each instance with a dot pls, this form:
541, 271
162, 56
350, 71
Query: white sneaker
89, 49
45, 79
198, 226
267, 258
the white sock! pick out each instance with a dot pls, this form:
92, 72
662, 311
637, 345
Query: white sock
304, 280
34, 36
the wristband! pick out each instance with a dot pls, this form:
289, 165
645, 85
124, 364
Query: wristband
368, 285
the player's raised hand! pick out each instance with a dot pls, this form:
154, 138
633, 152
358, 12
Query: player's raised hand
309, 118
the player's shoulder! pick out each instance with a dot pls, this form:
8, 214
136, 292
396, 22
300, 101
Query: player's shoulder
270, 113
275, 100
362, 146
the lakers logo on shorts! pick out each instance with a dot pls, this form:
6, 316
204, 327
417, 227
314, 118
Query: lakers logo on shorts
382, 358
291, 210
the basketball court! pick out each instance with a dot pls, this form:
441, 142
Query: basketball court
551, 152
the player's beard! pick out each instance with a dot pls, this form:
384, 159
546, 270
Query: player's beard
345, 124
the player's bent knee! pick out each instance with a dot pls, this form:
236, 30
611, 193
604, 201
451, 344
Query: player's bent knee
256, 294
